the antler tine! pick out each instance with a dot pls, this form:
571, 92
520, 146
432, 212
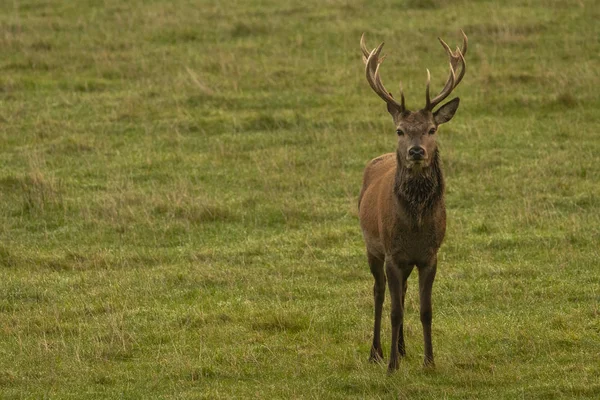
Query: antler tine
373, 61
450, 85
363, 48
427, 100
464, 67
465, 42
402, 96
366, 52
453, 80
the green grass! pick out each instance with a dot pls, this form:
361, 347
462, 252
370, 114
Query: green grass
178, 183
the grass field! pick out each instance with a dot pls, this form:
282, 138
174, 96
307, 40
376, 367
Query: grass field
178, 188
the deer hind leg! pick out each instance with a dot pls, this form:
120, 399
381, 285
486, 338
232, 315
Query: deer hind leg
376, 266
426, 278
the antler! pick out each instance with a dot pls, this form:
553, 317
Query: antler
453, 80
372, 62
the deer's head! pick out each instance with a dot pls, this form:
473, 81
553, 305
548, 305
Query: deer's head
417, 130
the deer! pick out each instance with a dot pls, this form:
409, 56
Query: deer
401, 205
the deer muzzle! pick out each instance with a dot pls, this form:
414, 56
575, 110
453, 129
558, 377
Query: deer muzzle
416, 153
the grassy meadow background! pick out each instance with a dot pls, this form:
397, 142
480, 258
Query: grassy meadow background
178, 188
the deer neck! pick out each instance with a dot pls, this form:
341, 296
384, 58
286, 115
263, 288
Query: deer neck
419, 191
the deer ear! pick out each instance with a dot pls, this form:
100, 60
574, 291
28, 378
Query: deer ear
446, 112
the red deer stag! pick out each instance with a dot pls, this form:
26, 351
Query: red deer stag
401, 204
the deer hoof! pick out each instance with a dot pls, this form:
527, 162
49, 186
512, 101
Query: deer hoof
393, 366
376, 355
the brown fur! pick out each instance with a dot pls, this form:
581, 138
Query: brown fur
403, 220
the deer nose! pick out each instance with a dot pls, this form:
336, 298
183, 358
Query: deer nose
416, 153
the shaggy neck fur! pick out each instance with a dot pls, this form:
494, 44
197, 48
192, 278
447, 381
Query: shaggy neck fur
419, 191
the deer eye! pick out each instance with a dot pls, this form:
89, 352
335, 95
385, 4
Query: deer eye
399, 132
432, 131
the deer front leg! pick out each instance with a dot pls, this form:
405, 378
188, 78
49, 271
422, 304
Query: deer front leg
426, 278
396, 273
376, 266
401, 345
